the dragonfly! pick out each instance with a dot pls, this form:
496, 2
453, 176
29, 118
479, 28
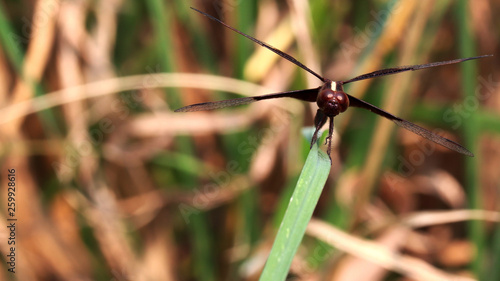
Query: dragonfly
331, 98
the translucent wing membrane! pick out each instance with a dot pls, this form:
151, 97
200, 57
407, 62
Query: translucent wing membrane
265, 45
411, 127
216, 104
390, 71
432, 136
305, 95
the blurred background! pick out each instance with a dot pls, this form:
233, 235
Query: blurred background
113, 185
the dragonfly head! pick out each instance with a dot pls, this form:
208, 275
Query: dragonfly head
332, 100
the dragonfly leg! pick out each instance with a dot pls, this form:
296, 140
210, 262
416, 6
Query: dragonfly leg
329, 139
319, 121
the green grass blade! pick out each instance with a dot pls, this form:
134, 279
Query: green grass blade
11, 42
300, 209
471, 136
495, 258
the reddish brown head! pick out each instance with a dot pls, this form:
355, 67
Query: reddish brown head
332, 100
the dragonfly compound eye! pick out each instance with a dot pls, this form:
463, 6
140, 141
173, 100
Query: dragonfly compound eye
332, 102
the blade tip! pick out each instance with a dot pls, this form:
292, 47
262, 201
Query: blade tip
483, 56
182, 109
464, 151
193, 8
